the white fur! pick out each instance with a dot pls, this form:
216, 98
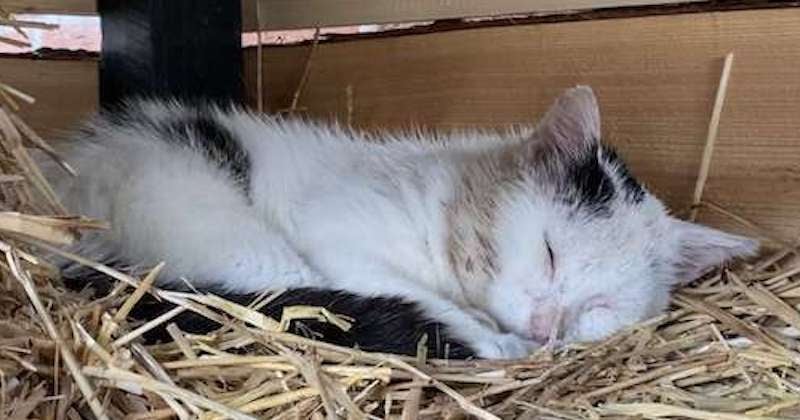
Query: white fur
332, 209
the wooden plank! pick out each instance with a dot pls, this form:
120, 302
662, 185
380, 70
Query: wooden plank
293, 14
74, 7
65, 91
655, 77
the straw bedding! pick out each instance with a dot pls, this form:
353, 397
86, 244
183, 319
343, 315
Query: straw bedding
727, 350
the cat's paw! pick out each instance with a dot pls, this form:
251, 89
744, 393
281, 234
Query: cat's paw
504, 346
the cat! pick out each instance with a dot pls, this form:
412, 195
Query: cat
510, 240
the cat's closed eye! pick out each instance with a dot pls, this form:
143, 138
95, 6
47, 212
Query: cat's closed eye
551, 256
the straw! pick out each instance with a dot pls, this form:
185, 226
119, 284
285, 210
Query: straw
711, 137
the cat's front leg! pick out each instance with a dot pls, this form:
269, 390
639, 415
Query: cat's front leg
485, 340
494, 344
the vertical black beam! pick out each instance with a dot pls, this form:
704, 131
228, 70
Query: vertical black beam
186, 49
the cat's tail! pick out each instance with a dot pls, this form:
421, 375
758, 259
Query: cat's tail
378, 324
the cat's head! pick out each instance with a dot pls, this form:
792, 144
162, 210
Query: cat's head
563, 243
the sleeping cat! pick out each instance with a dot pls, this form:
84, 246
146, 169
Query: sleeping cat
510, 241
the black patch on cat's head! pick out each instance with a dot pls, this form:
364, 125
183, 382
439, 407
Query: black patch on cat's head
633, 190
586, 184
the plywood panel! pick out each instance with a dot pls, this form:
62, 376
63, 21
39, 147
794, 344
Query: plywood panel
65, 91
655, 78
291, 14
50, 6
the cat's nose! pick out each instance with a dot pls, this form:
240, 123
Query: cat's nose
545, 325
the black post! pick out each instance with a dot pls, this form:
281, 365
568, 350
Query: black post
187, 49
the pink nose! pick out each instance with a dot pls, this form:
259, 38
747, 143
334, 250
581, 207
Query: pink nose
544, 323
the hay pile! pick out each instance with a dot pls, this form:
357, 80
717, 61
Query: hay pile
727, 350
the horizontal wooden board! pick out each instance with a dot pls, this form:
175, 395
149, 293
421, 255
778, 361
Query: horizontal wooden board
655, 77
289, 14
293, 14
74, 7
65, 91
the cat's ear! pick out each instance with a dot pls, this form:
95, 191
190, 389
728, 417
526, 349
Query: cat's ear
702, 248
572, 124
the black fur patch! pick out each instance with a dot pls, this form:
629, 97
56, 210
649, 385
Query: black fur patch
197, 129
220, 144
588, 184
634, 192
388, 325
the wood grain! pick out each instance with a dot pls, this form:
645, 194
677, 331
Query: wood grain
77, 7
655, 78
293, 14
65, 91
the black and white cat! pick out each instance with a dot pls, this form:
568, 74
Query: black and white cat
508, 241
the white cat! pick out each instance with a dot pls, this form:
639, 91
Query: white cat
510, 242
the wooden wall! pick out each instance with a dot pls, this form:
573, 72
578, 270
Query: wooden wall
655, 77
51, 6
65, 91
288, 14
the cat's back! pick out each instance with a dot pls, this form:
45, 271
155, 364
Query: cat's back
271, 160
231, 135
150, 148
